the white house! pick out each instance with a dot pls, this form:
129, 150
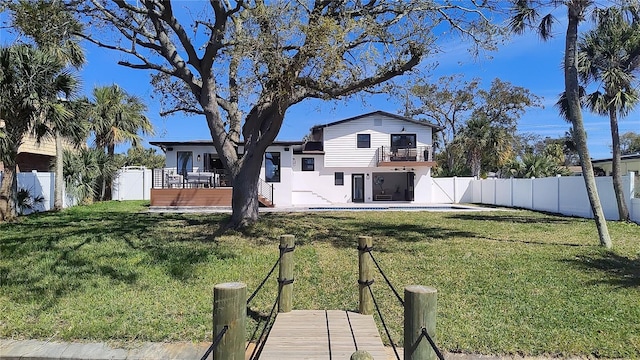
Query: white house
375, 157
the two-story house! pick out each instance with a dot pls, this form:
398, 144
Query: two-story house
375, 157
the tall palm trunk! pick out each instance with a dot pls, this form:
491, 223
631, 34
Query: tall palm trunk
623, 210
58, 196
572, 91
8, 191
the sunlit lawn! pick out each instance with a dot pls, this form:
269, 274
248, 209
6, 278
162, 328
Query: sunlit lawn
509, 282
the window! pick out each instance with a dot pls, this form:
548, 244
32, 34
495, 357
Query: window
308, 164
272, 167
403, 141
185, 162
339, 178
364, 141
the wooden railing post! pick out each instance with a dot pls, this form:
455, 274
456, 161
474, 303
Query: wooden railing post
285, 280
365, 277
230, 309
419, 313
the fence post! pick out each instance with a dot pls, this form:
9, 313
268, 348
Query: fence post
230, 309
285, 279
365, 271
419, 312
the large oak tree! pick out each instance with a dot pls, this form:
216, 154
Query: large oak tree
242, 64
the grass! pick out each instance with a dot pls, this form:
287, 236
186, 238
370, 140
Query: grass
514, 282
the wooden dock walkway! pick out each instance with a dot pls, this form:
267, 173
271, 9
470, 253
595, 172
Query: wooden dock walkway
322, 334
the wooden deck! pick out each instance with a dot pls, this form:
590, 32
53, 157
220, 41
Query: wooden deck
322, 334
191, 197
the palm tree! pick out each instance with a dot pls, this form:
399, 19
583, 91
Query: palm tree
610, 54
479, 138
52, 29
116, 118
31, 82
524, 17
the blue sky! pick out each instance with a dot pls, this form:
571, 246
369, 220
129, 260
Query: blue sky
523, 61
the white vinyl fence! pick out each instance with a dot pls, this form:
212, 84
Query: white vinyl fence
40, 184
132, 183
452, 190
564, 195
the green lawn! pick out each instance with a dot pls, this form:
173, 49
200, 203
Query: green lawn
509, 282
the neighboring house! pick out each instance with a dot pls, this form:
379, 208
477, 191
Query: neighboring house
34, 155
375, 157
629, 162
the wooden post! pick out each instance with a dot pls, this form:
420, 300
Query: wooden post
285, 280
365, 274
230, 309
419, 312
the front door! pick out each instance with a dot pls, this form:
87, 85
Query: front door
357, 188
409, 196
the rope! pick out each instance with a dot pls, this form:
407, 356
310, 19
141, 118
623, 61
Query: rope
255, 331
355, 343
283, 250
386, 279
425, 334
326, 318
255, 354
216, 341
383, 323
255, 292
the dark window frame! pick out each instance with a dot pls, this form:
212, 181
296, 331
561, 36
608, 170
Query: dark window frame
271, 157
363, 141
184, 163
339, 178
308, 164
403, 141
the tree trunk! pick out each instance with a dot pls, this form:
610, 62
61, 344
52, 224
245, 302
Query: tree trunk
8, 192
245, 192
572, 90
623, 210
108, 183
58, 196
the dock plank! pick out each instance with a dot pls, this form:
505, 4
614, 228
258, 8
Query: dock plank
322, 334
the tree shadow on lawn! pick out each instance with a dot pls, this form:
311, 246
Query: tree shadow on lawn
61, 253
617, 270
342, 231
514, 218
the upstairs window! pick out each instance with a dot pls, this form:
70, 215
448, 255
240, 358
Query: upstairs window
364, 141
403, 141
308, 164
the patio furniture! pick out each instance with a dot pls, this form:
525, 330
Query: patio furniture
200, 179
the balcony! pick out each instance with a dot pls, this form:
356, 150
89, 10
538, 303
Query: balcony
396, 156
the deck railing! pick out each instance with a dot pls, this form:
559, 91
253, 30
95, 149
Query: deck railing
170, 178
416, 154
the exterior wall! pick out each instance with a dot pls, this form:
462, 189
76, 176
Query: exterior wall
47, 146
282, 189
340, 140
318, 187
626, 165
171, 156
